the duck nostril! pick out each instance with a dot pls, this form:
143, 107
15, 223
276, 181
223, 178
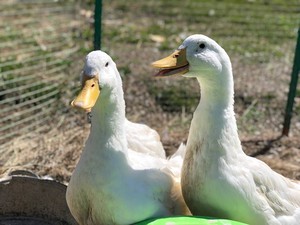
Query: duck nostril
93, 85
175, 56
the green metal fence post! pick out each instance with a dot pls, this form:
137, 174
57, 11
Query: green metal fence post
97, 24
293, 89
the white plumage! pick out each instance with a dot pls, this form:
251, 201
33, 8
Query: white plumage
218, 178
144, 139
123, 175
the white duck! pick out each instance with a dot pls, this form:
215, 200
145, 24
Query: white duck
113, 184
218, 178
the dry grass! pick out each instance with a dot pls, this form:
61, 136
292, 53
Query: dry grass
53, 153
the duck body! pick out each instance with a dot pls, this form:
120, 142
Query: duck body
113, 196
231, 184
113, 184
218, 178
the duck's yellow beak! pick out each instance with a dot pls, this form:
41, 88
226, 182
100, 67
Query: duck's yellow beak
174, 64
88, 95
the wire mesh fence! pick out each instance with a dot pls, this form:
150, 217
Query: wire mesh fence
37, 46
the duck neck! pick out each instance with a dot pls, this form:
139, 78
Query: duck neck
107, 122
213, 129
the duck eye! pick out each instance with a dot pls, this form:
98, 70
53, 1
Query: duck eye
202, 46
106, 64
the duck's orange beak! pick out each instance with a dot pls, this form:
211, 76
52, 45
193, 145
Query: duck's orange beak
88, 95
174, 64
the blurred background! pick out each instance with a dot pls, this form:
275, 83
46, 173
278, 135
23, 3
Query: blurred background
43, 44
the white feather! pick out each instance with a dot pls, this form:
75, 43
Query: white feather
144, 139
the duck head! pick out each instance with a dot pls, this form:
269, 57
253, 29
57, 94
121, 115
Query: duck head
99, 76
198, 56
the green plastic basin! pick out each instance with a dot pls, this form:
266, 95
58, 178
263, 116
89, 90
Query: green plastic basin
189, 220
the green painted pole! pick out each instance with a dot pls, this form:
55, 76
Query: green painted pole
97, 24
293, 89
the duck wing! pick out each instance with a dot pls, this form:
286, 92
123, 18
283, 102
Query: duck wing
141, 138
281, 194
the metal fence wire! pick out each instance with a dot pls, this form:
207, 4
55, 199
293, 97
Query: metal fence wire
36, 47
